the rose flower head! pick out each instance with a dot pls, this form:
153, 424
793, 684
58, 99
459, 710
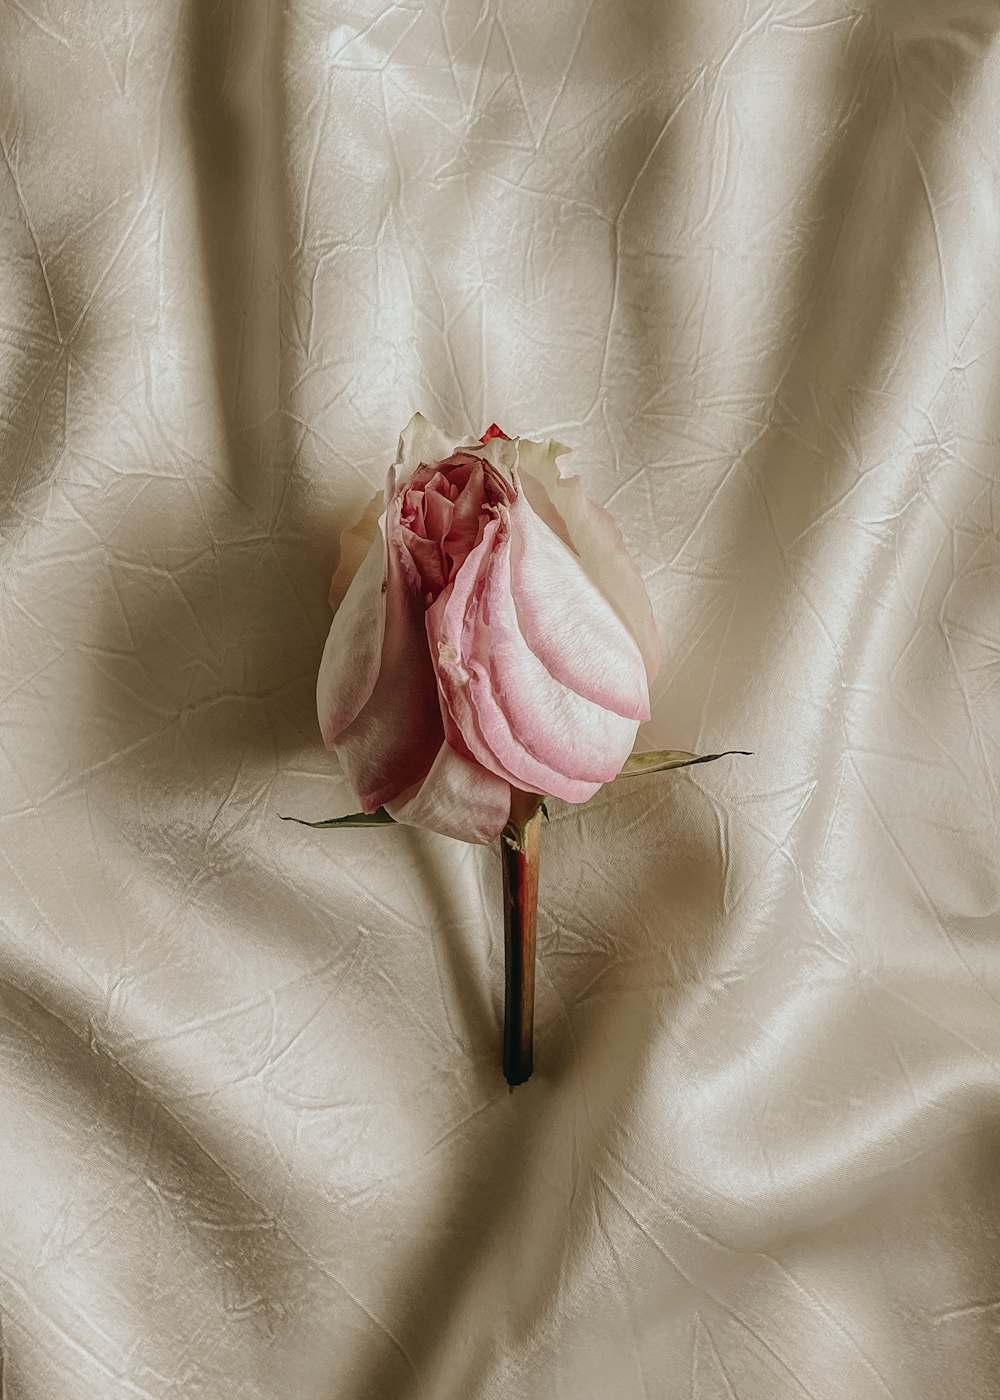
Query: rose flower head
495, 635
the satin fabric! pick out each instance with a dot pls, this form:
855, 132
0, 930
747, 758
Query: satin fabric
255, 1142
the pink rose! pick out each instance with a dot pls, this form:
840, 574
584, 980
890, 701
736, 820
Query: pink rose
495, 634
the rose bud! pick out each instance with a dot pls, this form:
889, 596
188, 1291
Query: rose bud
495, 635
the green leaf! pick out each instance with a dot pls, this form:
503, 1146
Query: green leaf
664, 759
379, 818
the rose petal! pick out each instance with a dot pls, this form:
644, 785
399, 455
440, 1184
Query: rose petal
355, 542
465, 521
458, 633
395, 738
353, 651
595, 537
501, 453
421, 442
448, 630
426, 555
438, 512
569, 732
457, 798
567, 621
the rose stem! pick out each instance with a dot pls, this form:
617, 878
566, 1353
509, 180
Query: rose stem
519, 851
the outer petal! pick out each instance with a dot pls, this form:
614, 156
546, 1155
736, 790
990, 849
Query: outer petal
395, 738
355, 542
596, 539
457, 798
499, 452
421, 442
451, 622
515, 718
353, 652
563, 729
567, 621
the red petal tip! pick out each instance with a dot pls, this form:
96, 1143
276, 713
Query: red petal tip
494, 432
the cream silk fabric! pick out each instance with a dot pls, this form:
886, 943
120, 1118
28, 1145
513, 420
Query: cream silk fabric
254, 1143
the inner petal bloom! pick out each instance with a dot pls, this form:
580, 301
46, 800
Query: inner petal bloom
443, 513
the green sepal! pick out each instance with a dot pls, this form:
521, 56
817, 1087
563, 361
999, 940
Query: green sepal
664, 759
380, 817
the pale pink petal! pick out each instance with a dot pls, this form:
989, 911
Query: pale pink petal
501, 453
421, 443
465, 521
561, 728
395, 738
457, 798
353, 652
438, 512
568, 623
426, 555
456, 630
596, 539
355, 542
446, 628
